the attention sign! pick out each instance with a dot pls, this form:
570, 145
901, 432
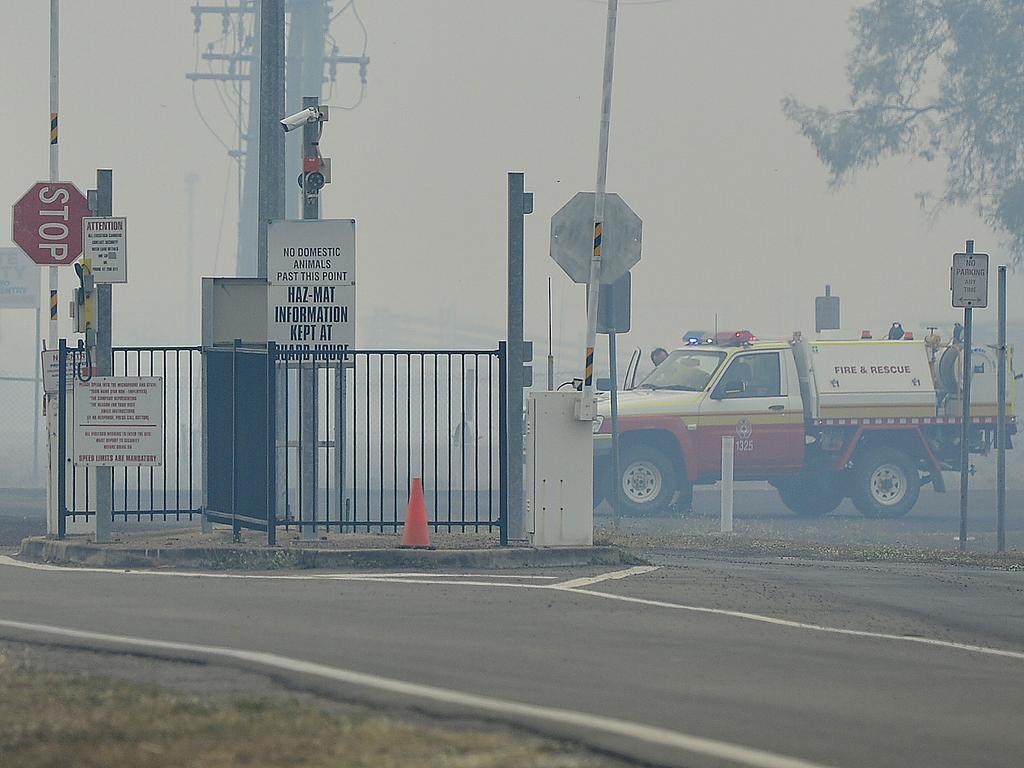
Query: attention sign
103, 242
119, 421
311, 276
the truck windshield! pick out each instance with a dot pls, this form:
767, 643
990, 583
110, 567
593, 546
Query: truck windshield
687, 370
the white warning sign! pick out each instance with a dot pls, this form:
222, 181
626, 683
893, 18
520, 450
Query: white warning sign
119, 421
104, 241
311, 272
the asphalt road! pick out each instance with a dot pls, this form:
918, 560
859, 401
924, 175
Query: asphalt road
777, 678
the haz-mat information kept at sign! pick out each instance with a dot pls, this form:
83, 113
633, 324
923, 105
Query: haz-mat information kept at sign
104, 243
119, 421
311, 276
969, 280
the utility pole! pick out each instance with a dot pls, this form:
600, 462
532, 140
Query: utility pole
271, 189
586, 406
104, 477
307, 59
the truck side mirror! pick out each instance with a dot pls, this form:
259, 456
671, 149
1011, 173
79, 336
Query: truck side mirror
604, 385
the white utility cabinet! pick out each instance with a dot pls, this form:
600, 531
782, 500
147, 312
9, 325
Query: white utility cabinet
559, 472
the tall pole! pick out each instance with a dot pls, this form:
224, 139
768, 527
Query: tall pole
307, 372
613, 371
271, 189
53, 464
1001, 416
965, 417
520, 204
586, 409
104, 361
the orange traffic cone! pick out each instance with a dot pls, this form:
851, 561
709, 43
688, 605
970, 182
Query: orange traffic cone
416, 534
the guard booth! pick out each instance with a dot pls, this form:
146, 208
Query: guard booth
238, 387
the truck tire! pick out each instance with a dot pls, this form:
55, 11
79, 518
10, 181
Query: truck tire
811, 495
885, 483
649, 480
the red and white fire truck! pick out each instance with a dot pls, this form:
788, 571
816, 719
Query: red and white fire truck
821, 420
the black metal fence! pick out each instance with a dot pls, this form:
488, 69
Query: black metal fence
172, 491
354, 428
263, 437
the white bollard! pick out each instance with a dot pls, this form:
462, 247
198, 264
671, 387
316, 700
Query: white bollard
727, 460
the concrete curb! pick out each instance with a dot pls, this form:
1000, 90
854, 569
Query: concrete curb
44, 550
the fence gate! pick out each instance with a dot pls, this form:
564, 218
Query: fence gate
354, 428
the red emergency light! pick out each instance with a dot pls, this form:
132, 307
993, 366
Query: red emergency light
734, 338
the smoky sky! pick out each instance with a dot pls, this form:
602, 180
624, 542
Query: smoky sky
738, 219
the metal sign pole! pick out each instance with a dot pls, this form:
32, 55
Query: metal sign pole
586, 407
104, 362
965, 418
1001, 416
309, 405
53, 467
616, 464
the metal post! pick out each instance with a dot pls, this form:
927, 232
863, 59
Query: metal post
236, 529
61, 419
271, 444
551, 356
503, 443
54, 468
613, 370
309, 407
520, 204
965, 418
1001, 416
586, 409
271, 189
728, 445
104, 476
37, 391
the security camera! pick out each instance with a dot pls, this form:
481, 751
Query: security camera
299, 119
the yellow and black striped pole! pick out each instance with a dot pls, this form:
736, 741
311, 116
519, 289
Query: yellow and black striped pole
53, 127
586, 411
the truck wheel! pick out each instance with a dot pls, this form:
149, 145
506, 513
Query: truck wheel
886, 483
812, 495
648, 481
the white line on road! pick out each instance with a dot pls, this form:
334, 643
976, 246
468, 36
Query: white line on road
663, 737
469, 581
803, 625
613, 575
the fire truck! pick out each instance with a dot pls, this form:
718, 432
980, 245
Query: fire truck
820, 420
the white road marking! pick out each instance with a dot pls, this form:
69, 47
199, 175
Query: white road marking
591, 580
804, 625
663, 737
468, 580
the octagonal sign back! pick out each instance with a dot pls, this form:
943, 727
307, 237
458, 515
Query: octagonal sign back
572, 238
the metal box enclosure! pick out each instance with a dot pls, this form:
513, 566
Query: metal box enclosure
559, 472
234, 308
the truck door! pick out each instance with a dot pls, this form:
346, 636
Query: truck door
755, 402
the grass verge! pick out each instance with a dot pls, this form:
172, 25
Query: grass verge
50, 719
739, 545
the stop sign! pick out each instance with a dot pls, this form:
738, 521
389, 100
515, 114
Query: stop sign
47, 222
